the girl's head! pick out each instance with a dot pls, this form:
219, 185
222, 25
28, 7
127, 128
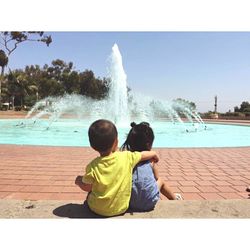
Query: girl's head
140, 137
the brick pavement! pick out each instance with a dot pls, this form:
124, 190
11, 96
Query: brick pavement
48, 173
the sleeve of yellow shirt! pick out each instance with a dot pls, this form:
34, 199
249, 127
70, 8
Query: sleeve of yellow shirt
88, 178
135, 157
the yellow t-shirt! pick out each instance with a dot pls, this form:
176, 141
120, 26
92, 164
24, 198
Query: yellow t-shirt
111, 179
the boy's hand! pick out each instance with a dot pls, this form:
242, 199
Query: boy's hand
155, 158
78, 180
149, 155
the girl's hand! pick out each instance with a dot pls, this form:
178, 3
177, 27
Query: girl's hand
153, 164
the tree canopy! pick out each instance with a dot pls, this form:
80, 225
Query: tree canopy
186, 103
244, 107
34, 82
9, 42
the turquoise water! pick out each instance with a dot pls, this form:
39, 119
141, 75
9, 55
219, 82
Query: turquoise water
69, 132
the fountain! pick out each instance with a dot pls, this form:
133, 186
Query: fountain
64, 121
118, 97
118, 107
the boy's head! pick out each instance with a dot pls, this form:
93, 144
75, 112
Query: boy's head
102, 135
140, 137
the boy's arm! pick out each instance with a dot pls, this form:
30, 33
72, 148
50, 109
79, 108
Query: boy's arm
83, 186
149, 155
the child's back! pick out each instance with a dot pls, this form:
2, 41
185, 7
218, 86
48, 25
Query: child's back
147, 185
110, 177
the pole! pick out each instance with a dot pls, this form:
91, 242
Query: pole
215, 104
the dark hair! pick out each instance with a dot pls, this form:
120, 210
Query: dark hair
140, 137
102, 135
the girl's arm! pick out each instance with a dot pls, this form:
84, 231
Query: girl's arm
155, 170
149, 155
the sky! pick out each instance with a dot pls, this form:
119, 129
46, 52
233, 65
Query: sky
164, 65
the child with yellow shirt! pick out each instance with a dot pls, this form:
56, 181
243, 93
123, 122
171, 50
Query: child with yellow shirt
108, 178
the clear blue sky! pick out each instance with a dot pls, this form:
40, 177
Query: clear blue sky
166, 65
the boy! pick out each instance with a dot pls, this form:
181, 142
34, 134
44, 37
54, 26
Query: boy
108, 178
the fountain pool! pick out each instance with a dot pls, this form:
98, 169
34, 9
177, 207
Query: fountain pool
74, 132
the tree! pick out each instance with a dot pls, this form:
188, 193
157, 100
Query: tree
58, 78
244, 107
91, 86
3, 59
246, 110
19, 87
71, 82
9, 41
3, 63
186, 103
26, 86
236, 109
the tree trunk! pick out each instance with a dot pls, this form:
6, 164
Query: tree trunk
13, 102
1, 80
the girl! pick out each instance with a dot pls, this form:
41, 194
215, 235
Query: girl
146, 183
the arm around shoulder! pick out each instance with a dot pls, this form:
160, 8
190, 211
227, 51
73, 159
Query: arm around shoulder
148, 155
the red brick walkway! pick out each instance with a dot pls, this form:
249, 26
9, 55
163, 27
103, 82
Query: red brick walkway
43, 173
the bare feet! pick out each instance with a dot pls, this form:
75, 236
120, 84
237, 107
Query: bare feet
178, 197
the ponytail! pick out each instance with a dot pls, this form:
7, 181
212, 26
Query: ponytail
140, 137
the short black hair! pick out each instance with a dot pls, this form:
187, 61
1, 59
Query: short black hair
140, 137
102, 134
